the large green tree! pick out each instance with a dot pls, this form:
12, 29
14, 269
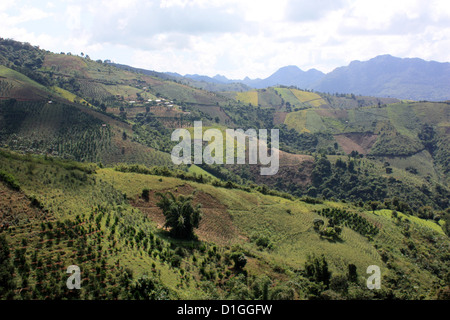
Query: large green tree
181, 216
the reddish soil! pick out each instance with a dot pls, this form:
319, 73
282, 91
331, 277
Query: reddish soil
294, 168
65, 63
216, 224
288, 159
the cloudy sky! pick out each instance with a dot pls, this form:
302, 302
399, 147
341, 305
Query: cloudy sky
235, 38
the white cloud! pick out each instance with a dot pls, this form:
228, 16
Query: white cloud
306, 10
26, 14
233, 37
6, 4
73, 17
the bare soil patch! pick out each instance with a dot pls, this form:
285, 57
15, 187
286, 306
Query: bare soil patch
357, 141
216, 224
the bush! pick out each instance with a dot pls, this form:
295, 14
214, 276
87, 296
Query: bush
9, 180
175, 261
35, 202
311, 200
339, 284
331, 232
149, 288
7, 284
262, 241
239, 260
146, 194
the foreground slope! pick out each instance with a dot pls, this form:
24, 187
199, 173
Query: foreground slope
96, 218
105, 114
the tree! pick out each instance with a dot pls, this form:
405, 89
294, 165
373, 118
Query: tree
149, 288
322, 169
446, 218
351, 166
181, 216
260, 287
354, 154
374, 205
239, 260
341, 164
425, 212
318, 223
7, 284
352, 273
339, 284
428, 137
316, 269
282, 292
146, 194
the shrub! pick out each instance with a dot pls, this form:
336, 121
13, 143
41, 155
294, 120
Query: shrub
263, 242
316, 269
352, 273
9, 180
146, 194
311, 200
339, 284
35, 202
149, 288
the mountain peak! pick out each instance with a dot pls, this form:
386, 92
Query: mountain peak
389, 76
290, 67
221, 78
291, 75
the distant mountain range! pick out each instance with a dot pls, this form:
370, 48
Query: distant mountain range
382, 76
288, 76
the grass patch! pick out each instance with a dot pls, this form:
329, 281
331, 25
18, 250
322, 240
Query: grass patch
249, 97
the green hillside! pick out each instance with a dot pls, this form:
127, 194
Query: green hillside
98, 219
85, 149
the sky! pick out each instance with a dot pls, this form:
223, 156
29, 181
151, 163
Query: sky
234, 38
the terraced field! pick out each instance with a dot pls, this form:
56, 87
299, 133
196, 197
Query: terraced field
248, 97
18, 86
83, 189
100, 217
310, 98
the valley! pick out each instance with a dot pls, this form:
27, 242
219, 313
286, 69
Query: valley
85, 157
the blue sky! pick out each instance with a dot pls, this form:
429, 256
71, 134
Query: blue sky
235, 38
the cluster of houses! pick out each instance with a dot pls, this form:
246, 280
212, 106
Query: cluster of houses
158, 102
